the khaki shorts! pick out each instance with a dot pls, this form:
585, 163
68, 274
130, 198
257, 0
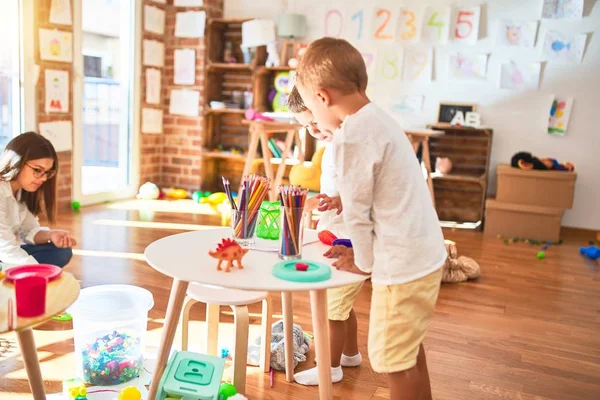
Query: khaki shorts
340, 301
400, 316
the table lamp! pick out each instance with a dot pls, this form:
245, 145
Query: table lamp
290, 26
259, 32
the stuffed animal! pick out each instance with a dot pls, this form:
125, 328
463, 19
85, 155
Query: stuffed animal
527, 161
458, 268
273, 59
148, 191
309, 177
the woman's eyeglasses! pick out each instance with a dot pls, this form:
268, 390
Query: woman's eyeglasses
39, 173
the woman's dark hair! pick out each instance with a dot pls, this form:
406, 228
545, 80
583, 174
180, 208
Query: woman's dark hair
23, 148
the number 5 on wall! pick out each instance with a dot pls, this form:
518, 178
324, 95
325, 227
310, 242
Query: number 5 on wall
466, 25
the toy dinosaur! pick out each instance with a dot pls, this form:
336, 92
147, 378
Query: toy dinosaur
228, 250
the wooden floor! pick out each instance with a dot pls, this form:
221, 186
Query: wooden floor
527, 329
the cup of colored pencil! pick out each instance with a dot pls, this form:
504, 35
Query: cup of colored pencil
292, 200
244, 214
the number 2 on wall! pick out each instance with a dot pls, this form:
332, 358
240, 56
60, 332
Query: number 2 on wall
328, 17
387, 15
464, 24
408, 28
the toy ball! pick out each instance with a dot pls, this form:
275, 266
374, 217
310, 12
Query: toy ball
541, 255
148, 191
443, 165
78, 391
226, 391
176, 193
130, 393
196, 196
75, 205
215, 198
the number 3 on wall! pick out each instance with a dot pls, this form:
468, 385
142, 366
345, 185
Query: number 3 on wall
408, 26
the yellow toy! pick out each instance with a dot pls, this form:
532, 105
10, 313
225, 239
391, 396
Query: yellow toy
78, 392
309, 177
176, 193
214, 199
130, 393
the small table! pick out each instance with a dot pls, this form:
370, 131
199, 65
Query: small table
259, 131
60, 294
421, 136
184, 257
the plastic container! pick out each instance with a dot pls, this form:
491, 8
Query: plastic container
109, 324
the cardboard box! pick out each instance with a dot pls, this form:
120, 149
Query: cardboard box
536, 188
523, 221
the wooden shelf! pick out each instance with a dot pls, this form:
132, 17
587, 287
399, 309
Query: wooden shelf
458, 177
229, 67
223, 155
264, 69
218, 111
227, 21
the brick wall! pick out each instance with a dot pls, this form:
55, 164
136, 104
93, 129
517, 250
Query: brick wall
64, 177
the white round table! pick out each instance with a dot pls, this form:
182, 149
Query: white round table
184, 257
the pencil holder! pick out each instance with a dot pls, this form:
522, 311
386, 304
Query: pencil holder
268, 220
243, 224
291, 234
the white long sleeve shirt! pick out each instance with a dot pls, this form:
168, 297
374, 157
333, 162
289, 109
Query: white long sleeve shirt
330, 220
15, 219
388, 212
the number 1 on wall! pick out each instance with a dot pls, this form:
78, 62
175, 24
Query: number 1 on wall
359, 16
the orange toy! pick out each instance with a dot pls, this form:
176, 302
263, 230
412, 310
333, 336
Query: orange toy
228, 250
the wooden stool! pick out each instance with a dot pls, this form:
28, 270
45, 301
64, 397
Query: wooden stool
238, 300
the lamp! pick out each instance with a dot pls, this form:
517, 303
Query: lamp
291, 25
258, 32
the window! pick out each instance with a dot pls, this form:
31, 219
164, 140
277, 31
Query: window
10, 104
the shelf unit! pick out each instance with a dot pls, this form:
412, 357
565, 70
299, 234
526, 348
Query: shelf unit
225, 128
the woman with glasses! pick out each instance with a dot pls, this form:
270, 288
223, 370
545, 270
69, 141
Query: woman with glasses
28, 168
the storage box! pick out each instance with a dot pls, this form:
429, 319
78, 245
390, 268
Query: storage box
536, 188
523, 221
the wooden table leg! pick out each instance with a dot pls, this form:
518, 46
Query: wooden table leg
427, 161
213, 312
240, 353
178, 291
318, 304
288, 334
32, 364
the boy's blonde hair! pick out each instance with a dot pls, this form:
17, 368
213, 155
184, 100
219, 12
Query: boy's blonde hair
295, 102
331, 63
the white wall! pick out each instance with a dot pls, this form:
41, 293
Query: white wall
519, 118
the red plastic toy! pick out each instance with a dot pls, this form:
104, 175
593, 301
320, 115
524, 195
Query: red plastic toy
301, 267
327, 238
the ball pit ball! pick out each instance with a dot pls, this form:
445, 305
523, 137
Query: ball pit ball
541, 255
301, 267
112, 359
75, 205
227, 390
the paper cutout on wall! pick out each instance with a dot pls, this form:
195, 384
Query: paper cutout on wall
369, 54
562, 9
559, 47
465, 67
184, 102
516, 33
56, 45
389, 63
152, 120
154, 20
188, 3
185, 67
407, 104
59, 133
60, 12
153, 53
516, 75
160, 1
465, 27
418, 65
57, 91
560, 112
436, 24
409, 27
153, 86
190, 24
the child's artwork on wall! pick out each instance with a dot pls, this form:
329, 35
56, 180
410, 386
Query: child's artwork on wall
407, 104
59, 133
562, 9
436, 24
152, 120
465, 27
418, 65
561, 48
57, 91
153, 86
153, 53
154, 20
409, 27
184, 102
56, 45
560, 112
515, 75
389, 63
516, 33
465, 67
185, 67
188, 3
60, 12
190, 24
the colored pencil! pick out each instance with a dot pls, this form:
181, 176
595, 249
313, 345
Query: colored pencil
292, 200
254, 189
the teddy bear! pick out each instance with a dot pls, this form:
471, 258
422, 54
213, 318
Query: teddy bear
527, 161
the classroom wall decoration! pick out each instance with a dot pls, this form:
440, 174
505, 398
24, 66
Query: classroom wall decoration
188, 3
409, 25
465, 27
560, 112
60, 12
418, 64
57, 91
59, 133
562, 9
447, 111
184, 102
559, 47
185, 67
56, 45
154, 20
407, 104
436, 25
466, 67
152, 120
516, 33
153, 53
153, 85
516, 75
190, 24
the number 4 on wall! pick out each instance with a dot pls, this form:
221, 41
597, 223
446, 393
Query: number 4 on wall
466, 25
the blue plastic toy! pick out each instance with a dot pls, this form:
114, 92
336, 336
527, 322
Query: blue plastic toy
342, 242
592, 252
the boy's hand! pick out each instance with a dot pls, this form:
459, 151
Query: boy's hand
329, 203
311, 204
346, 263
338, 251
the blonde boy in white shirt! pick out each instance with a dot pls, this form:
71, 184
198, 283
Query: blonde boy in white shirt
388, 213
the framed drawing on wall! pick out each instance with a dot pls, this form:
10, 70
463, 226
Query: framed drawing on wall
446, 111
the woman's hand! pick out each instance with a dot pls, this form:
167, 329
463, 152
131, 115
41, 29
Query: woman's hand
329, 203
62, 239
